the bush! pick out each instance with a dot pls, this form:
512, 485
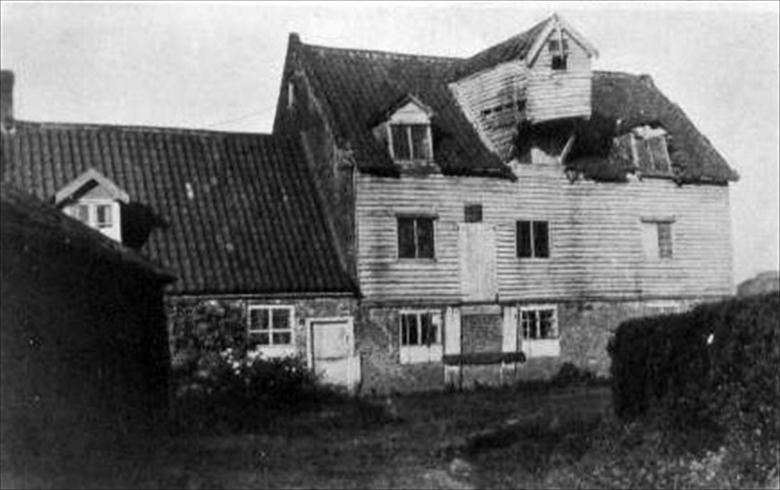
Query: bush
715, 366
241, 392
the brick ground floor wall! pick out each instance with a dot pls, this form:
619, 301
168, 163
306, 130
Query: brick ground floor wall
230, 316
585, 328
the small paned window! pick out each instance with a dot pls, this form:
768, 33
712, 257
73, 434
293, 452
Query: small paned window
539, 323
270, 325
665, 240
657, 239
559, 53
290, 95
533, 239
472, 213
81, 213
418, 328
410, 141
415, 238
103, 216
652, 154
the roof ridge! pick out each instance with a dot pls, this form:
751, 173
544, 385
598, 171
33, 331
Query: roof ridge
386, 54
138, 128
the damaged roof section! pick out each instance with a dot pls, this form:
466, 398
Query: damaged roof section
626, 104
355, 88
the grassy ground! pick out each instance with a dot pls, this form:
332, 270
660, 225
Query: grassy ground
350, 447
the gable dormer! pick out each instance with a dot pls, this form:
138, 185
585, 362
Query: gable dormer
95, 201
540, 75
406, 130
559, 74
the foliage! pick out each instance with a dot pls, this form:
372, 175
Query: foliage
714, 368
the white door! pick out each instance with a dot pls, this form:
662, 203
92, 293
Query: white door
333, 352
478, 262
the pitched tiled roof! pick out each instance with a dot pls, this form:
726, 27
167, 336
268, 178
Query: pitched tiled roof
27, 218
355, 86
241, 212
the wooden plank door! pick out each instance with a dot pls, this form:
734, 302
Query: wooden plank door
477, 242
333, 352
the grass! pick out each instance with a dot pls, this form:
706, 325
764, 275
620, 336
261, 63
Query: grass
346, 446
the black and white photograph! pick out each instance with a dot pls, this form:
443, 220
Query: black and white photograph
414, 245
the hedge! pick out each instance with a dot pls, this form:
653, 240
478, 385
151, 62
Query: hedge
717, 364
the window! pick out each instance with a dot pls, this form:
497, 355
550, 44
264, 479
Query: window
472, 213
97, 215
81, 213
410, 141
652, 154
420, 333
270, 325
103, 216
657, 239
559, 52
539, 323
415, 238
533, 239
290, 95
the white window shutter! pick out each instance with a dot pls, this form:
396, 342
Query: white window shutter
509, 334
452, 331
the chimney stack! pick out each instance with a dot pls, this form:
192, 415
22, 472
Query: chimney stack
6, 101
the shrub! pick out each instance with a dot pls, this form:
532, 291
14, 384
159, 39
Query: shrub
715, 366
241, 392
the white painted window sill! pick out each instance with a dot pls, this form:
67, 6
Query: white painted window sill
274, 351
541, 347
418, 354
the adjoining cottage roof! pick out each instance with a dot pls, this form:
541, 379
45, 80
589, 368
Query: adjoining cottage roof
26, 218
353, 86
240, 212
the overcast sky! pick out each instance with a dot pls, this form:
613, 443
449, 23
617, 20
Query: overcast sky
218, 66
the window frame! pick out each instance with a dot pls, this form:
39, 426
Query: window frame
419, 353
538, 347
560, 54
641, 144
415, 218
531, 226
91, 207
410, 141
473, 206
537, 309
271, 330
663, 252
106, 224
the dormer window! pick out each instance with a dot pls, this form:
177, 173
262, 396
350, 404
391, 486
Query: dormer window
96, 214
411, 141
95, 201
405, 129
559, 53
651, 153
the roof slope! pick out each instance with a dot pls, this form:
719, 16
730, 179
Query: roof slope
634, 100
514, 48
32, 220
356, 86
241, 212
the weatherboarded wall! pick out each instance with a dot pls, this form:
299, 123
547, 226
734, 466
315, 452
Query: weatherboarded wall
595, 229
